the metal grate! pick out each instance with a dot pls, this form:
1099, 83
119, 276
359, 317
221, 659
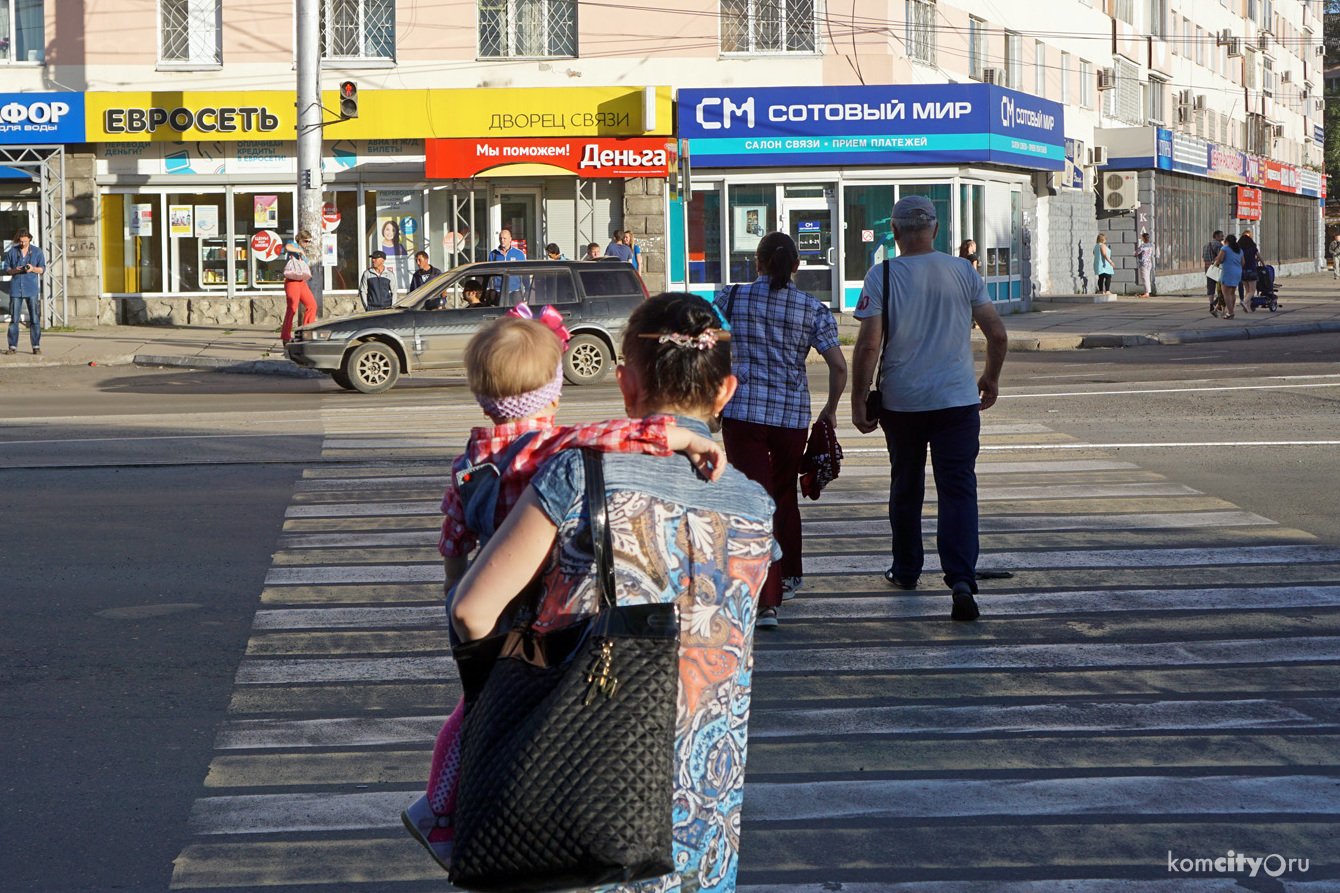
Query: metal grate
921, 30
768, 26
358, 29
188, 31
528, 28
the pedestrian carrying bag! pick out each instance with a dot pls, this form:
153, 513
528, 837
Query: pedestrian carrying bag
874, 401
1214, 272
568, 753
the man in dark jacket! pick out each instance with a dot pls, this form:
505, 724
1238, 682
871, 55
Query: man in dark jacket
425, 270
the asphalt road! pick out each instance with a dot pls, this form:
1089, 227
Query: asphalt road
143, 511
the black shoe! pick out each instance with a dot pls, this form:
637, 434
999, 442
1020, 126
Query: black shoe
965, 606
888, 575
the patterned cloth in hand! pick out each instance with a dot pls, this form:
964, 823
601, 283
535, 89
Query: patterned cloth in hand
822, 462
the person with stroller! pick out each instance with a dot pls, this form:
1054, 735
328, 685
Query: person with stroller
1229, 262
1251, 267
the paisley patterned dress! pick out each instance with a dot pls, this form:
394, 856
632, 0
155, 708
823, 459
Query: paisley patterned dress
706, 547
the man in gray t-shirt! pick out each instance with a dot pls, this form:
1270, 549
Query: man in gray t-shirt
929, 397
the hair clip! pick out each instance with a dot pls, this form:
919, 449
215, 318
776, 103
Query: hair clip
705, 340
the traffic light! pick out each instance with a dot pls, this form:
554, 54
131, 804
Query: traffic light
348, 99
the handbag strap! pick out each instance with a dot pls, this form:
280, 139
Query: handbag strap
602, 544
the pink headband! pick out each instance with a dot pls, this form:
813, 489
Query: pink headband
520, 406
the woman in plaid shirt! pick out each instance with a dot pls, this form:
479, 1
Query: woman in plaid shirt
773, 327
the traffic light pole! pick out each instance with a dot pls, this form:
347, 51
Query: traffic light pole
309, 138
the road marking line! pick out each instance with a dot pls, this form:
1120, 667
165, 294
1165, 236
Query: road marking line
1245, 387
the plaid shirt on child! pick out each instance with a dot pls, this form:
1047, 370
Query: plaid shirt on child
618, 435
771, 334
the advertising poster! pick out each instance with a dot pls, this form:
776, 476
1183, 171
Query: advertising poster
397, 230
267, 211
181, 221
749, 227
330, 252
206, 221
141, 220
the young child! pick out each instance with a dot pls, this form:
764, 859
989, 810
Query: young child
515, 370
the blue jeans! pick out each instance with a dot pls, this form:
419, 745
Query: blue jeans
952, 436
34, 320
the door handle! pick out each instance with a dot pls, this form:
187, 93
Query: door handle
832, 256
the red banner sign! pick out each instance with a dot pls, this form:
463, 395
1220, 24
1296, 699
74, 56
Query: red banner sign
454, 159
1249, 203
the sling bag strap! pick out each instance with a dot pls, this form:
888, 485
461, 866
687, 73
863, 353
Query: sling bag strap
730, 303
602, 544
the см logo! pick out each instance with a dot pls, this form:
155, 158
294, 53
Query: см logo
1006, 111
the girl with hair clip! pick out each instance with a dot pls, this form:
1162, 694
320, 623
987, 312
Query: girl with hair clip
702, 546
774, 325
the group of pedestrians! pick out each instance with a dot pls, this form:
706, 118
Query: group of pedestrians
1144, 265
720, 542
1233, 266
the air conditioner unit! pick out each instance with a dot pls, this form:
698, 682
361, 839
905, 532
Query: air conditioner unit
1107, 78
1235, 46
1119, 192
1319, 105
1183, 114
1098, 156
1184, 97
991, 76
1199, 102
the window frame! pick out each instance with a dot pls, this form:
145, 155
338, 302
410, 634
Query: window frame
1086, 84
921, 43
1156, 107
511, 32
192, 64
12, 38
1040, 68
976, 47
1014, 60
1065, 78
751, 29
362, 60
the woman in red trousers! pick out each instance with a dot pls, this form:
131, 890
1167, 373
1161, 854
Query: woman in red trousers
296, 290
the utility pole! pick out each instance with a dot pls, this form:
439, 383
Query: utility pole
309, 138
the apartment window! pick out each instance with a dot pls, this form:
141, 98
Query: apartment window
1086, 83
358, 29
527, 28
1124, 10
769, 26
188, 33
1065, 78
921, 30
1040, 68
1200, 45
22, 32
1154, 99
1158, 18
1014, 61
976, 48
1267, 77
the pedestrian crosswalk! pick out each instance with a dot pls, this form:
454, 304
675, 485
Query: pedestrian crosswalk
1156, 681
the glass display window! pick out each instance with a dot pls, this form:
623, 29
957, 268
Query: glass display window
262, 222
939, 194
704, 225
340, 256
868, 235
751, 212
460, 221
394, 220
132, 243
199, 255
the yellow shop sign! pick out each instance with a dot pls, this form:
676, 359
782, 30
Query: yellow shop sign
384, 114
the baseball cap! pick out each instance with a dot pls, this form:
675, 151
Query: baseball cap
914, 207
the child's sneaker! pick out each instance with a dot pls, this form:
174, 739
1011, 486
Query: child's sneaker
433, 831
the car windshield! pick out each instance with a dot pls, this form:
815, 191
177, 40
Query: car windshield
432, 286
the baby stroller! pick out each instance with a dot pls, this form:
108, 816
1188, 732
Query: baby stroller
1267, 293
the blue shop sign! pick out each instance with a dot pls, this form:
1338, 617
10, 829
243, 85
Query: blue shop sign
41, 118
921, 124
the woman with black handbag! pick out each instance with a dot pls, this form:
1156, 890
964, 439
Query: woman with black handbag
656, 539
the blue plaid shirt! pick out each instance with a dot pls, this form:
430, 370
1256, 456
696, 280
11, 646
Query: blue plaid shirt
771, 334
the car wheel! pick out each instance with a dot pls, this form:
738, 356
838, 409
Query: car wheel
587, 360
341, 378
372, 367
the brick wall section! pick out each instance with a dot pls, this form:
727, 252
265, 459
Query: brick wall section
83, 278
644, 214
1071, 234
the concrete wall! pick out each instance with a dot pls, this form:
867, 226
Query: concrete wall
1070, 235
644, 214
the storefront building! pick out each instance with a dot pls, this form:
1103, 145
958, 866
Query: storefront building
1188, 188
827, 164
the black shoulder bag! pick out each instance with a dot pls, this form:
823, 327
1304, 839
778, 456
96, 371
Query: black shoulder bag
568, 754
874, 401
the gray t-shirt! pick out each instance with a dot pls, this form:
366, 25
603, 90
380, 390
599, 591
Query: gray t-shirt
928, 363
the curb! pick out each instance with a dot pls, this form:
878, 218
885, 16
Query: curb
286, 368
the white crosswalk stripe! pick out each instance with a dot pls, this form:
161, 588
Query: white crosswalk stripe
1162, 677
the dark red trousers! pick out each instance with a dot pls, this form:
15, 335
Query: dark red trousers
771, 456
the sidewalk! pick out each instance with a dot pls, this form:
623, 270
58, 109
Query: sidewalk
1308, 305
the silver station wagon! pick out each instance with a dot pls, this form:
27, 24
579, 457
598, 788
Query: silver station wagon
429, 328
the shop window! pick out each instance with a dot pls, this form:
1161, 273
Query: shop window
868, 236
527, 28
704, 224
132, 243
339, 242
939, 194
22, 31
188, 33
358, 29
200, 256
752, 211
769, 26
972, 215
394, 220
460, 221
268, 211
921, 31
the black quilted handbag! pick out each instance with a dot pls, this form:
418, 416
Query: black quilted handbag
568, 754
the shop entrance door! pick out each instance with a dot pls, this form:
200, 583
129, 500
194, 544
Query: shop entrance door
808, 214
519, 211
